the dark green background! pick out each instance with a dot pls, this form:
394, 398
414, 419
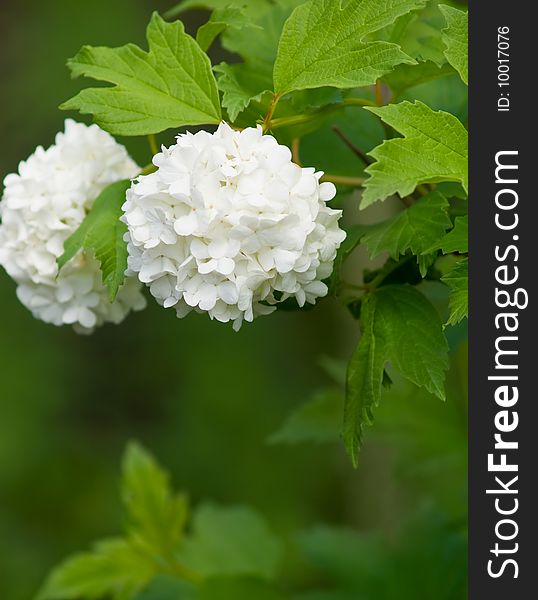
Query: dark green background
201, 397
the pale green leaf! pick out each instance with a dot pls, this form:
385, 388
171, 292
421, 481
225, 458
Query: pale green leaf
169, 86
323, 44
400, 326
456, 240
101, 232
114, 569
230, 541
416, 228
319, 420
433, 149
156, 515
457, 280
455, 37
231, 17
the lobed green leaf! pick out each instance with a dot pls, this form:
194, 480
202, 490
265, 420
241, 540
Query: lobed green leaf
157, 516
433, 149
114, 569
416, 228
456, 240
323, 44
455, 37
170, 86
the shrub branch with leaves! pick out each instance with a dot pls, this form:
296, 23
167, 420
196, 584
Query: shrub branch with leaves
312, 76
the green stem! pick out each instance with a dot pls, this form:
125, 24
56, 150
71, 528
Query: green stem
151, 168
267, 122
153, 146
325, 110
385, 272
343, 179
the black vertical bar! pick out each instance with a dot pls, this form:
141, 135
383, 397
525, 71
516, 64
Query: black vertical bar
501, 120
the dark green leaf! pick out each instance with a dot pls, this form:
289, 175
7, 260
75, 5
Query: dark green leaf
319, 420
253, 7
353, 239
166, 587
238, 588
400, 326
404, 77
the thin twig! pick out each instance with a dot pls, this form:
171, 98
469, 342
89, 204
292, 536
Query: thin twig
355, 149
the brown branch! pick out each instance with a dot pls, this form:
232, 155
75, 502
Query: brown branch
357, 151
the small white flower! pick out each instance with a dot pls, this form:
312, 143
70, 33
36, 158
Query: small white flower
229, 225
42, 205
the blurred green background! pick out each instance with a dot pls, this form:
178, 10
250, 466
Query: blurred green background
203, 398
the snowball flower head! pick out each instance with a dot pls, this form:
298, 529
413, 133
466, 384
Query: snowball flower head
229, 225
42, 205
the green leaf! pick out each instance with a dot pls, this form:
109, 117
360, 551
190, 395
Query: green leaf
456, 240
399, 325
416, 228
169, 86
101, 232
319, 420
253, 7
353, 238
114, 569
157, 516
344, 556
166, 587
252, 80
230, 541
457, 280
455, 37
240, 85
230, 17
418, 34
404, 76
433, 149
323, 43
238, 588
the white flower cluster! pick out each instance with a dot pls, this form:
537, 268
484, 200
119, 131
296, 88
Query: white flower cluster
228, 224
41, 207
